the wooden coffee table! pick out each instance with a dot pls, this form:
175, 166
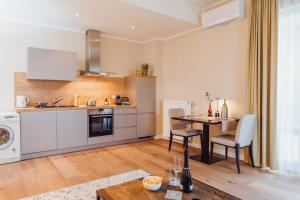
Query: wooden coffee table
134, 190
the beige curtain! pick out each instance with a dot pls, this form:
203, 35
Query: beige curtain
262, 80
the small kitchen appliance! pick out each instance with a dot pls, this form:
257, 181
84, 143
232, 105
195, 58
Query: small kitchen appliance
91, 102
22, 101
125, 101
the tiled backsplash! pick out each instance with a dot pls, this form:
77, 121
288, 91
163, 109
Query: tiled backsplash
86, 87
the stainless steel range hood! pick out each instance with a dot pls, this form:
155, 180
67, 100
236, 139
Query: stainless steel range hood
93, 59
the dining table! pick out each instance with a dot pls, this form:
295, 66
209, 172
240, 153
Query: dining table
207, 122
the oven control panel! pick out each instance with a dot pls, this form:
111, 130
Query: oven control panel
105, 111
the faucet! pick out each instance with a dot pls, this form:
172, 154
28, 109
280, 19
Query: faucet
57, 99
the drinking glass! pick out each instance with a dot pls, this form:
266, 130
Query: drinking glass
172, 176
176, 169
176, 163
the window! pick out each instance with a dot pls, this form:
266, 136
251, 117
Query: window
288, 87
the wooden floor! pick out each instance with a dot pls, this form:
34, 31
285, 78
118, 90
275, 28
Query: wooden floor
41, 175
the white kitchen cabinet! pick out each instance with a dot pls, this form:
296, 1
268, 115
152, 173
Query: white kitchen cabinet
38, 132
145, 125
71, 128
141, 92
45, 64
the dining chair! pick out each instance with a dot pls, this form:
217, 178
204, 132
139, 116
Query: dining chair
242, 137
181, 129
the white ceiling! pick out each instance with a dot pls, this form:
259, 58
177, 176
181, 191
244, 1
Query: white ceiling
151, 18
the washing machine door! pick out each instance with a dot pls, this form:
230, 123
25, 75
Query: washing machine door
6, 137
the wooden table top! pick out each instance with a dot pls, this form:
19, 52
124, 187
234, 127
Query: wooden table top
203, 119
134, 190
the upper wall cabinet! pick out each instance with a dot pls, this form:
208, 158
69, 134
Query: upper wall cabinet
44, 64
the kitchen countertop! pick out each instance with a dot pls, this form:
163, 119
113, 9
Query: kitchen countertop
34, 109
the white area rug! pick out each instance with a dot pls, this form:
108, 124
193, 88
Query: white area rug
87, 191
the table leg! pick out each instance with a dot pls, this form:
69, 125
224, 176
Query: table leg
205, 144
205, 155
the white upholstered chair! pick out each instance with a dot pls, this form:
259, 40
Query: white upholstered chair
179, 128
240, 138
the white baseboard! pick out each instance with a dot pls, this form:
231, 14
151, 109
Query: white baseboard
217, 149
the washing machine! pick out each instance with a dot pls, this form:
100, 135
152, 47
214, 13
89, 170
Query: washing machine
9, 137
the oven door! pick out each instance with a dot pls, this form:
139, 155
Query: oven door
100, 125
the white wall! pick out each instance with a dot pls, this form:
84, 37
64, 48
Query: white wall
117, 55
214, 60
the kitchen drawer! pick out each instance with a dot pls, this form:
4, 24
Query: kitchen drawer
125, 133
120, 111
101, 139
125, 120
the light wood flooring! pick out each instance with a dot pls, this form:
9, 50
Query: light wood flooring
45, 174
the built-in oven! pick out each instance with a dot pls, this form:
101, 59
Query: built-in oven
100, 122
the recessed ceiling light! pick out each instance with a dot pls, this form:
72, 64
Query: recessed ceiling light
77, 15
132, 27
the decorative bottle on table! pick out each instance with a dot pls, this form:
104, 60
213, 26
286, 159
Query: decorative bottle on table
224, 113
186, 177
209, 112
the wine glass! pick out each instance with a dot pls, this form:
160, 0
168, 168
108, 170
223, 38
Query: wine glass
177, 167
172, 176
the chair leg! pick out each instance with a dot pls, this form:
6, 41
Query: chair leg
237, 157
170, 140
183, 144
251, 154
211, 151
226, 152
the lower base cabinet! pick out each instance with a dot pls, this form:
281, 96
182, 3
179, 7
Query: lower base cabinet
145, 125
38, 132
71, 128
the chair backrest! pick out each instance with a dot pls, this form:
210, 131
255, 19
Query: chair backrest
245, 130
176, 124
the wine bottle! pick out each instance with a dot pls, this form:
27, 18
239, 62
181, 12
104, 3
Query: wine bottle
209, 110
224, 113
186, 177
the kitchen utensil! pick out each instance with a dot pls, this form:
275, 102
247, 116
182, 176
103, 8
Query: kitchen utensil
21, 101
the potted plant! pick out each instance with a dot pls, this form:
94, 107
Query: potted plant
145, 68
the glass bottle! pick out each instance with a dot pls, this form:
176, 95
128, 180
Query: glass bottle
209, 112
224, 112
186, 184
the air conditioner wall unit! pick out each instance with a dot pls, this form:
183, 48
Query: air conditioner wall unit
235, 9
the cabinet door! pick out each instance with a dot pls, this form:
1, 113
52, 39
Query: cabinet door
124, 133
45, 64
71, 128
145, 94
145, 124
38, 132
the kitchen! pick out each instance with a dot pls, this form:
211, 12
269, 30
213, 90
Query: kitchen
88, 111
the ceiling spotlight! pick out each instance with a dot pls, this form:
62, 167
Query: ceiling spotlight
77, 15
132, 27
